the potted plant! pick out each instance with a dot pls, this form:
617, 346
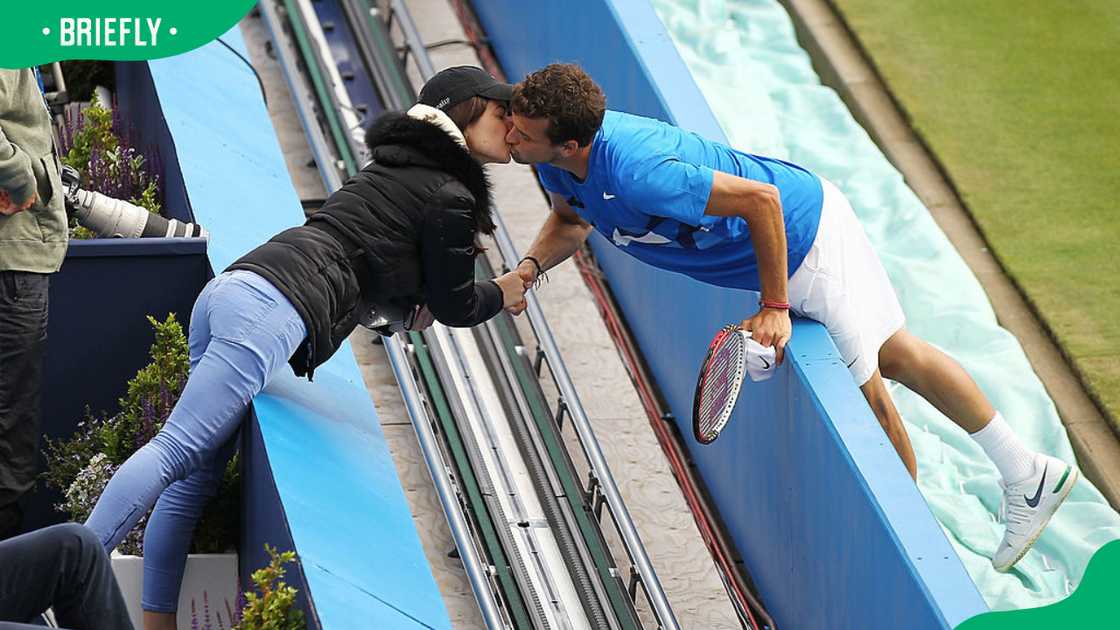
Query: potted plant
270, 605
94, 141
106, 286
80, 467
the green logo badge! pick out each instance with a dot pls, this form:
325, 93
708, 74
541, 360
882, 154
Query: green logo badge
117, 30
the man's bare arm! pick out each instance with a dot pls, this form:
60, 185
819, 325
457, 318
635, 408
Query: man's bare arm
760, 205
561, 235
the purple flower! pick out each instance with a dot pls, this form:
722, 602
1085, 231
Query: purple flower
123, 171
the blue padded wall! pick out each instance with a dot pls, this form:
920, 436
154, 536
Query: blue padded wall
830, 525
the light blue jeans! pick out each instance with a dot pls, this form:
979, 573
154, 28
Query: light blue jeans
242, 330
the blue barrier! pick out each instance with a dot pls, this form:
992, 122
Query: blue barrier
318, 474
98, 336
819, 505
139, 109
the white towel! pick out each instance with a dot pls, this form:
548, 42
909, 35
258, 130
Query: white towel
761, 360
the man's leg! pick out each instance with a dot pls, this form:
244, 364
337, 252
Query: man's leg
875, 391
843, 285
7, 625
23, 340
937, 378
1035, 485
63, 567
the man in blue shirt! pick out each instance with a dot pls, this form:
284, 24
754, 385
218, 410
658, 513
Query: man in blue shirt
683, 203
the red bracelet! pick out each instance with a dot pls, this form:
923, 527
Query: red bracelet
782, 306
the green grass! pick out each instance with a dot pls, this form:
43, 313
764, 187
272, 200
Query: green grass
1020, 102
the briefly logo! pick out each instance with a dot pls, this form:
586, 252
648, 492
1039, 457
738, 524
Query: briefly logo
38, 33
608, 197
1033, 502
110, 31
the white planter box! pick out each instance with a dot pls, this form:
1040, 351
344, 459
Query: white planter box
212, 574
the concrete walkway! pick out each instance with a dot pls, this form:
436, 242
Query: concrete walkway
843, 66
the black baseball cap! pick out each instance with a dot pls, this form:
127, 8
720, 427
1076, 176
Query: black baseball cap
452, 86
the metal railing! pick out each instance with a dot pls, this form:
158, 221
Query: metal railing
477, 571
602, 480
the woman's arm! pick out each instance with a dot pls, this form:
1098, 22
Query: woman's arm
447, 251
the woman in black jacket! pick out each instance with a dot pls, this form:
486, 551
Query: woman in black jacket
398, 237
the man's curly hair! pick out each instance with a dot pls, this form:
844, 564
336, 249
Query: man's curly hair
564, 94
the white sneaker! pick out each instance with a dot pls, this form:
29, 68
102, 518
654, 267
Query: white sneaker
1028, 506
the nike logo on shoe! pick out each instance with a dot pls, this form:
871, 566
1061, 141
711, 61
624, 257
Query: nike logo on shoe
1033, 502
1028, 516
607, 197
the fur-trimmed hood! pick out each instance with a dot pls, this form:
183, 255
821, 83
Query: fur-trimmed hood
397, 139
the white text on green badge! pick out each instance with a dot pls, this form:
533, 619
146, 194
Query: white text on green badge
109, 32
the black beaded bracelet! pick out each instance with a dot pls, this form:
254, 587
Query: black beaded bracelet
540, 269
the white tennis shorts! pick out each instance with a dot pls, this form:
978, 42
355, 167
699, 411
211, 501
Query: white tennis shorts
843, 285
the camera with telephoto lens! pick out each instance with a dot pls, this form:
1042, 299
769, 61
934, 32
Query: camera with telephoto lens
117, 218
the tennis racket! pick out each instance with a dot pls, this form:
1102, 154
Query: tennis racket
721, 380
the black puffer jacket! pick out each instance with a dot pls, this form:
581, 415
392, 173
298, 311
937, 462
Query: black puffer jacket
401, 231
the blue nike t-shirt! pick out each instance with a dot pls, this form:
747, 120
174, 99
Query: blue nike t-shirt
648, 183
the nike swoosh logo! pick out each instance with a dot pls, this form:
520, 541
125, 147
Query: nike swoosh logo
1037, 495
765, 363
607, 197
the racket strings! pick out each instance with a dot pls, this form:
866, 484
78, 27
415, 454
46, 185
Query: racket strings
715, 384
720, 385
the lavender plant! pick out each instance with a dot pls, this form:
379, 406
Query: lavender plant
151, 394
81, 466
204, 622
232, 613
94, 141
271, 605
82, 494
67, 458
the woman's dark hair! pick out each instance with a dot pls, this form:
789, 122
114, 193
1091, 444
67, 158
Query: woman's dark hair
464, 114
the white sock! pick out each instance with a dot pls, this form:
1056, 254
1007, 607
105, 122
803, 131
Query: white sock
1014, 460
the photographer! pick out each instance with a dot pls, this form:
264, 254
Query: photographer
33, 238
